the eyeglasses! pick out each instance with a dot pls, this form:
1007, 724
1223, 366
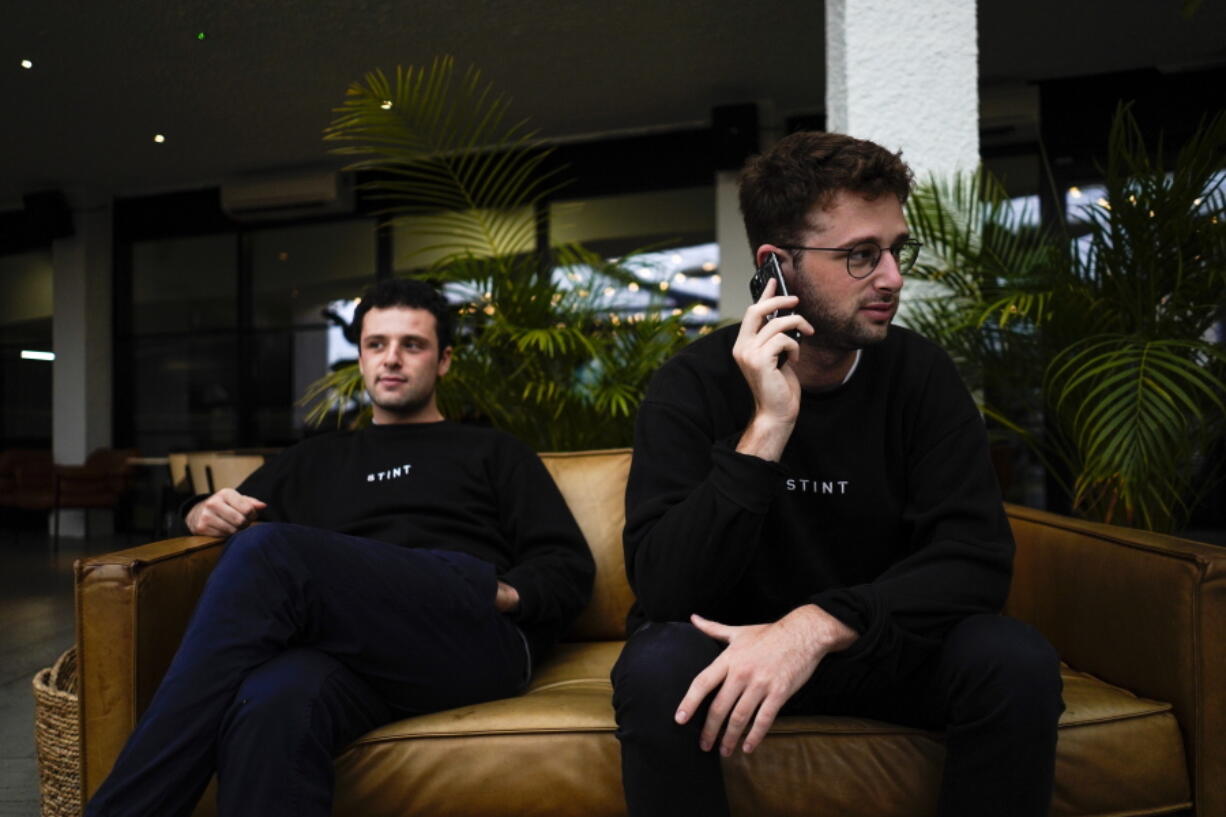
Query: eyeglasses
863, 258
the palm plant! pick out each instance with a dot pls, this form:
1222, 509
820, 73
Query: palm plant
1107, 336
545, 356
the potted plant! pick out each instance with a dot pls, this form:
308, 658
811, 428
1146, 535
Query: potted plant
1095, 341
543, 349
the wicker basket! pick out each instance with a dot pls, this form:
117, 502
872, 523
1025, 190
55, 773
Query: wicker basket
57, 734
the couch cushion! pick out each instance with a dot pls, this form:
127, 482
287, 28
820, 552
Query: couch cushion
593, 484
552, 752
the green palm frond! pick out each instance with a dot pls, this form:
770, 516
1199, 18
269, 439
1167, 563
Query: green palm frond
550, 361
335, 393
1089, 343
974, 237
547, 356
989, 268
446, 155
1157, 249
1138, 410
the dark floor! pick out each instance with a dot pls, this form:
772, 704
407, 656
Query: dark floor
36, 625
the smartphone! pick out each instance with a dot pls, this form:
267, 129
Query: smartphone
770, 269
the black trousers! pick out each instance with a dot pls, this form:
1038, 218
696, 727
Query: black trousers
302, 641
993, 685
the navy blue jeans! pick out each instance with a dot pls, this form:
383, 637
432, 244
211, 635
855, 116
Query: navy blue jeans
303, 640
993, 686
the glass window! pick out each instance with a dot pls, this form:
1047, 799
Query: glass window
1078, 201
683, 280
185, 284
418, 245
679, 270
186, 392
25, 417
1027, 209
25, 288
288, 363
297, 271
25, 327
615, 225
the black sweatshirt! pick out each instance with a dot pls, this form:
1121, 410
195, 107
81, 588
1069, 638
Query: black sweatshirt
443, 486
883, 510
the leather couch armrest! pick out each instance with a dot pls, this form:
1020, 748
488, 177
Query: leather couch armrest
132, 607
1143, 611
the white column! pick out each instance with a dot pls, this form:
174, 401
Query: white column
904, 73
82, 340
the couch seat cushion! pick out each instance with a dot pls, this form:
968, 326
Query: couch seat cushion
552, 751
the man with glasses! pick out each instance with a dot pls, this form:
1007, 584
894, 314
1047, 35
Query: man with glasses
812, 524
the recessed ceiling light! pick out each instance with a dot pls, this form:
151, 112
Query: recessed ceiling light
387, 105
27, 64
159, 138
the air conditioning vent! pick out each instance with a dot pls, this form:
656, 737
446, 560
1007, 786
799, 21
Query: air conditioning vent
285, 197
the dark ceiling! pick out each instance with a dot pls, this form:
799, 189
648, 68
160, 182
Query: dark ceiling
254, 94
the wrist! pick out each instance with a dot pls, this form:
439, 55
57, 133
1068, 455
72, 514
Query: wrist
766, 437
192, 517
827, 633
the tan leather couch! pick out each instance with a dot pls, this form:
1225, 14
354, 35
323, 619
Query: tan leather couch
1143, 612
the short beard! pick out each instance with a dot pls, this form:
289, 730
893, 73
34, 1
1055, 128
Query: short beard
829, 330
409, 406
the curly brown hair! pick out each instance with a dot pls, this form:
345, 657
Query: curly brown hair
411, 292
781, 186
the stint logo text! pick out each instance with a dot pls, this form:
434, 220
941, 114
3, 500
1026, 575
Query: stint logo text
836, 487
391, 473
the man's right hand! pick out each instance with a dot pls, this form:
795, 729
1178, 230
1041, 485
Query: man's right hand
224, 513
775, 388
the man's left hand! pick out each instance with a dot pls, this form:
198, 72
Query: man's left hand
763, 666
507, 598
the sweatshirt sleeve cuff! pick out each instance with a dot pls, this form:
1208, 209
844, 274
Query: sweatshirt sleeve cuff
853, 609
749, 481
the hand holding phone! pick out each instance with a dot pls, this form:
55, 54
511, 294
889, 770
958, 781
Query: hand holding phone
775, 389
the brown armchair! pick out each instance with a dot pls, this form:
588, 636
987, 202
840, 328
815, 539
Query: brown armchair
1141, 618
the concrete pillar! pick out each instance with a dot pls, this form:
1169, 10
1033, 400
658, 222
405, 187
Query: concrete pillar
82, 341
905, 75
